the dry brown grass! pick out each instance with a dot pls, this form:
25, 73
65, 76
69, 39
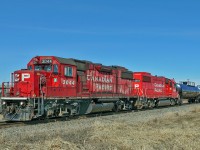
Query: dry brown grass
177, 131
173, 131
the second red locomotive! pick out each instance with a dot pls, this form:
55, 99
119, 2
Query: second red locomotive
53, 86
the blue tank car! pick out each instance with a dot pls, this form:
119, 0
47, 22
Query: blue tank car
188, 90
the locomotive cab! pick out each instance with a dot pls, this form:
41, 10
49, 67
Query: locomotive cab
46, 77
25, 84
30, 82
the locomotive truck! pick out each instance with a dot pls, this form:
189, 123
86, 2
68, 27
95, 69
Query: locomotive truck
53, 86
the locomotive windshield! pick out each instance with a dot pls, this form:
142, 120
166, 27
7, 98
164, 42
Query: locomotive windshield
29, 67
43, 67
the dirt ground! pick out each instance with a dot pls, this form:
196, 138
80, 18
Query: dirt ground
178, 130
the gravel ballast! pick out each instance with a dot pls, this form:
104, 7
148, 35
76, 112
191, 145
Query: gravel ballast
93, 133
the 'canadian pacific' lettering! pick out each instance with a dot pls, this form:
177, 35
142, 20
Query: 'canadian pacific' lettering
103, 79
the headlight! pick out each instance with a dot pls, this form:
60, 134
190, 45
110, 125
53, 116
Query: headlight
3, 103
21, 103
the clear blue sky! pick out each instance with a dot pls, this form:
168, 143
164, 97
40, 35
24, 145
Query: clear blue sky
161, 37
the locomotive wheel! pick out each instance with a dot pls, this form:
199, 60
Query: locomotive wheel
189, 101
151, 104
156, 103
56, 113
140, 106
117, 108
180, 102
198, 99
172, 102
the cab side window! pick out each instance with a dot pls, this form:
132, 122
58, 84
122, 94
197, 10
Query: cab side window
170, 84
146, 79
55, 68
69, 71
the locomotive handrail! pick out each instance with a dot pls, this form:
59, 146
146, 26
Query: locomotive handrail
8, 90
4, 88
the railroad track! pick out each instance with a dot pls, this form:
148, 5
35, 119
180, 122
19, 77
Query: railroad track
9, 124
6, 124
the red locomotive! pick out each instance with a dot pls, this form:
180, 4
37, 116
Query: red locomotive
155, 89
53, 86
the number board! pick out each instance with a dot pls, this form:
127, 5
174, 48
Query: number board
46, 61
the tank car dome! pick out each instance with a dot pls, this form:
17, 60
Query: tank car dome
178, 87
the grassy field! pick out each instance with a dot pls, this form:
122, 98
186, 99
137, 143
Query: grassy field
174, 131
178, 131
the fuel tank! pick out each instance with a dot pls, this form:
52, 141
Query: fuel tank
188, 90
